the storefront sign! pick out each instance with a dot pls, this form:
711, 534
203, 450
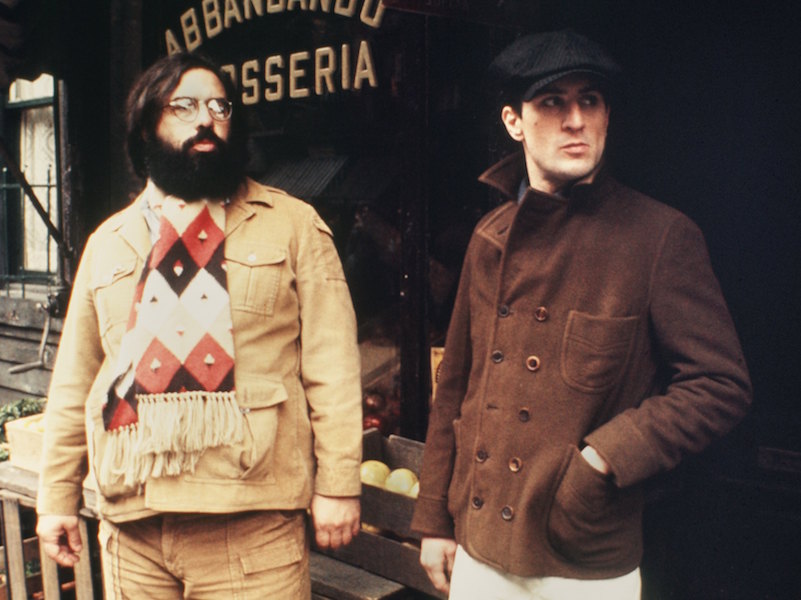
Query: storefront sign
298, 72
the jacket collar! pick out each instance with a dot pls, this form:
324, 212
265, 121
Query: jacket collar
132, 227
506, 175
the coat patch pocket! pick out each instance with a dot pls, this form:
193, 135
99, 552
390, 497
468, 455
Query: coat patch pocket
113, 285
592, 522
595, 350
254, 276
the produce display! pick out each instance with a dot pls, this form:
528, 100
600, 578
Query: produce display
399, 481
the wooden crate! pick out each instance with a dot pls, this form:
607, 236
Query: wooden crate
25, 438
389, 547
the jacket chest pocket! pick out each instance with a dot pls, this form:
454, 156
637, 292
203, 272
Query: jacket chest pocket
254, 276
595, 350
113, 287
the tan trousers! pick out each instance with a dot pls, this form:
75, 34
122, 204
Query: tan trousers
473, 580
241, 556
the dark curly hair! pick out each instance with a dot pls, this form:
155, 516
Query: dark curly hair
152, 91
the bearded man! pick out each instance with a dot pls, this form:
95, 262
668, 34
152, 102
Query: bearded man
208, 372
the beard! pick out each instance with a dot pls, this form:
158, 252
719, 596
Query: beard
193, 175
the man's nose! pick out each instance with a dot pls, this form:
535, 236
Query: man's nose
203, 116
574, 117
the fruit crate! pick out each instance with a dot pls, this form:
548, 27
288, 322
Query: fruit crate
25, 438
386, 544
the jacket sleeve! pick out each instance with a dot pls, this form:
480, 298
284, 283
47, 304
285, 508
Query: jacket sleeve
330, 361
708, 388
78, 359
431, 516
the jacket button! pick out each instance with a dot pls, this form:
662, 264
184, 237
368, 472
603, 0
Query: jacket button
481, 456
476, 502
503, 311
507, 513
515, 464
497, 356
524, 415
533, 363
541, 313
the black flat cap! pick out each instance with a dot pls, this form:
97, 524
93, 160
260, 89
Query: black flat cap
533, 61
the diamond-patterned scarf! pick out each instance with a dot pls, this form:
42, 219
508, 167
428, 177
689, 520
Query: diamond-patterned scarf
173, 395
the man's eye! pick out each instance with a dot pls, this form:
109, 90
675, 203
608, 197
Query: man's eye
182, 105
552, 101
590, 100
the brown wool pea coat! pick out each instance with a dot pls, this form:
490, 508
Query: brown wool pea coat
592, 319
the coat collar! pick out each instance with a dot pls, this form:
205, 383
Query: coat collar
132, 227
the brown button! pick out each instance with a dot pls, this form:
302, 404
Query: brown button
507, 513
476, 502
524, 415
503, 311
533, 363
515, 464
541, 313
481, 456
497, 356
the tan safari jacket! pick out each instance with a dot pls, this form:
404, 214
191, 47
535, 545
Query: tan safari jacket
297, 372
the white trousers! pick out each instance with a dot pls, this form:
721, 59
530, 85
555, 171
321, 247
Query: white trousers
473, 580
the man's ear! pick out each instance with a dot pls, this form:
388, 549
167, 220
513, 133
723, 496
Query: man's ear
512, 122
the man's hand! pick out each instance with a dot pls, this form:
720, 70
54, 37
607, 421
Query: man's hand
60, 538
336, 520
436, 556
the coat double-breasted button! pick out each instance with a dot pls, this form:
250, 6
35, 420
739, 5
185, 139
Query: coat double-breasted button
533, 363
504, 311
515, 464
507, 513
482, 455
476, 502
541, 313
497, 356
524, 415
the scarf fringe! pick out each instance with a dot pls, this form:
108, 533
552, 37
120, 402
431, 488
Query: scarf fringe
173, 431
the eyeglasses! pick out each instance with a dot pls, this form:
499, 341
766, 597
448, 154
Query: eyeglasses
186, 109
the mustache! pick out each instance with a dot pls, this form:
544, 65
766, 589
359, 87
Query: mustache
203, 135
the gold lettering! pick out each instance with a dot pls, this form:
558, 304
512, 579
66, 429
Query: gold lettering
345, 62
325, 63
325, 4
346, 10
290, 3
192, 37
250, 83
276, 6
295, 74
271, 77
211, 17
230, 71
252, 6
172, 44
232, 13
364, 67
373, 20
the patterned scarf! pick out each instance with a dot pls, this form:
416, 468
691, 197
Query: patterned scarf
173, 395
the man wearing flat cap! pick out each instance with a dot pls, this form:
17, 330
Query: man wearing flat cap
589, 349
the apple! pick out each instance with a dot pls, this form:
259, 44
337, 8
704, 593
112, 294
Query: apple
373, 472
415, 491
400, 481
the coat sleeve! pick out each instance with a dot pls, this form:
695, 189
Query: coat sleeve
330, 361
708, 388
78, 360
431, 516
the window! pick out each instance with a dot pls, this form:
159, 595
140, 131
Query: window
28, 254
